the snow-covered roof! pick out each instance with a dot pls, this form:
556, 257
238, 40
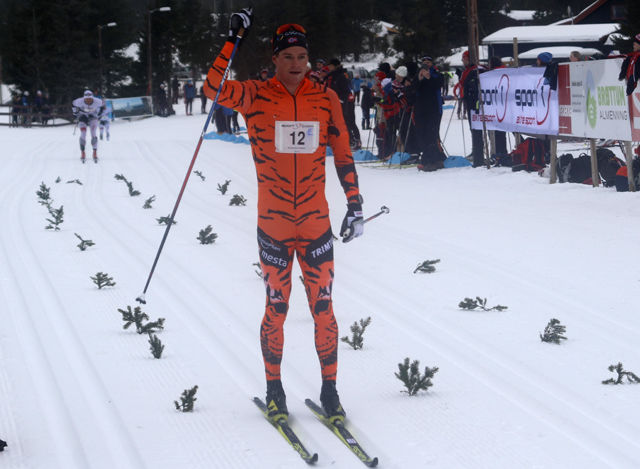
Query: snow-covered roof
559, 52
552, 33
520, 15
455, 59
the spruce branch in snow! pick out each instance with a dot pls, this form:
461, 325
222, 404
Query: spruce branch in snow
151, 326
165, 220
84, 243
554, 332
426, 267
76, 181
357, 333
44, 195
199, 174
481, 303
156, 346
410, 375
58, 179
57, 218
259, 271
120, 177
206, 235
3, 445
631, 377
135, 316
149, 201
224, 187
238, 200
187, 400
103, 280
132, 191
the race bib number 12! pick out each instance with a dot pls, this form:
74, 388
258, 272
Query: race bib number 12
297, 136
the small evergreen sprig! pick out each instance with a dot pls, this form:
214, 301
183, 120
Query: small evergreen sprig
165, 220
58, 180
199, 174
44, 195
631, 377
57, 218
426, 267
103, 280
155, 345
481, 303
187, 400
120, 177
206, 235
75, 181
238, 200
259, 270
151, 326
132, 191
553, 332
357, 334
135, 316
84, 243
224, 187
149, 201
410, 375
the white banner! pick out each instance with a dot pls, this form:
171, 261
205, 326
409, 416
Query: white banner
598, 101
517, 100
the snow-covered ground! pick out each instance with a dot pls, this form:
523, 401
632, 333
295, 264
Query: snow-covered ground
78, 392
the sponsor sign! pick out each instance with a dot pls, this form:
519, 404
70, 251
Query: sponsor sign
634, 107
517, 100
131, 107
596, 105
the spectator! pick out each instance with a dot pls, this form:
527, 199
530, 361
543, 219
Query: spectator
319, 64
25, 108
575, 56
264, 75
467, 89
189, 96
228, 116
356, 83
630, 69
203, 101
38, 104
15, 110
315, 76
175, 90
46, 108
366, 104
428, 112
543, 59
163, 104
221, 120
338, 81
234, 122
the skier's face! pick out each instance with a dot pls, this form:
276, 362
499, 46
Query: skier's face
88, 100
291, 65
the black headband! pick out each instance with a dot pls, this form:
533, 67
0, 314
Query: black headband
289, 38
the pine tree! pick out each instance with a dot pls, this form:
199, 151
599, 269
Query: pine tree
224, 187
470, 304
155, 345
357, 334
135, 316
84, 243
631, 377
103, 280
148, 202
206, 235
44, 195
187, 400
426, 267
553, 332
410, 375
57, 218
238, 200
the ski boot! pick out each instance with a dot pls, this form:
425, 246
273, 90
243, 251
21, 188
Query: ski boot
331, 402
276, 401
95, 156
83, 156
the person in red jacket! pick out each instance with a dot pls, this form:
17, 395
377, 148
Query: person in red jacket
291, 121
630, 69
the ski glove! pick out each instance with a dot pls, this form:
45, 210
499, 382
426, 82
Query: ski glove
352, 224
240, 20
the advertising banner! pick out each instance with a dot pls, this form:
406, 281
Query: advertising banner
634, 108
138, 106
597, 104
517, 100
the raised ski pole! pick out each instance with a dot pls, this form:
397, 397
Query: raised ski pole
141, 298
383, 210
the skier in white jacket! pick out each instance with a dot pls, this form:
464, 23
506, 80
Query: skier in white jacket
87, 111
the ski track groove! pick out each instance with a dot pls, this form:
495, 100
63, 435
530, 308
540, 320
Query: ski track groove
108, 422
472, 356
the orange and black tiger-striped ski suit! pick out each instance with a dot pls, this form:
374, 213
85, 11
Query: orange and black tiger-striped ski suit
293, 214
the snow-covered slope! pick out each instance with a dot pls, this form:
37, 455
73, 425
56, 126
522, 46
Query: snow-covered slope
77, 391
